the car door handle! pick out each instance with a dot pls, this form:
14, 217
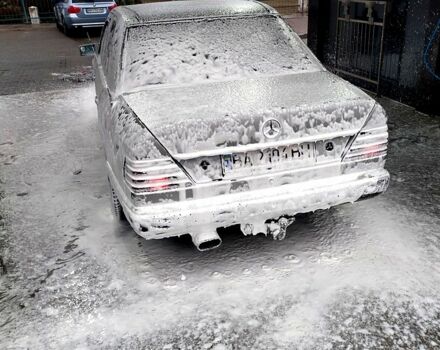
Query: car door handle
96, 99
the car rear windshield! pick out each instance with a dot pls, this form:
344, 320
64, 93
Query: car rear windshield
211, 50
88, 1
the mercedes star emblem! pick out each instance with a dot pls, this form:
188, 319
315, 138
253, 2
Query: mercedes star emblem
271, 128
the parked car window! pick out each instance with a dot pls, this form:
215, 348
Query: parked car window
211, 49
85, 1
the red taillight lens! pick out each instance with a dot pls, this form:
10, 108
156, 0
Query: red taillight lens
372, 151
159, 184
112, 7
73, 9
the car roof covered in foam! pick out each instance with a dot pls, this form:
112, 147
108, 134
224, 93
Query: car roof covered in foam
180, 10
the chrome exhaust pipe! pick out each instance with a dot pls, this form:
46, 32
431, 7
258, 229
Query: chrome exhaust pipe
206, 240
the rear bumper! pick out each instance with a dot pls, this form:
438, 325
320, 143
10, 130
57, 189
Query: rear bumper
177, 218
74, 21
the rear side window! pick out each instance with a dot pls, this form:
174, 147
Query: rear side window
110, 51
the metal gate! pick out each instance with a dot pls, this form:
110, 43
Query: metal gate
17, 11
359, 39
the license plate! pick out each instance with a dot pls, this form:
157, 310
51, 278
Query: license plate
277, 157
95, 10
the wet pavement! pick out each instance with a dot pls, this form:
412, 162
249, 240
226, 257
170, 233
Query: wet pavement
363, 275
40, 58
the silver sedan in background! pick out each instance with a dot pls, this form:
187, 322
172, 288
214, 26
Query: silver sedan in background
75, 14
215, 113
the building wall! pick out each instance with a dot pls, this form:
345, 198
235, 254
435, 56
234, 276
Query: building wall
285, 7
408, 26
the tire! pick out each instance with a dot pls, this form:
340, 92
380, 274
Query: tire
68, 31
117, 210
59, 26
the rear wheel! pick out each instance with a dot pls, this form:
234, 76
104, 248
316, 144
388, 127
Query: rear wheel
117, 210
59, 26
66, 29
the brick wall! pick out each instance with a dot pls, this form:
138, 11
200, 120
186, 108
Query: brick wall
285, 7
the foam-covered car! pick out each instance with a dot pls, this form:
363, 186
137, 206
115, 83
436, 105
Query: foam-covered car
215, 113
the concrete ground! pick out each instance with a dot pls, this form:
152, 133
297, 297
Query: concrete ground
39, 58
361, 276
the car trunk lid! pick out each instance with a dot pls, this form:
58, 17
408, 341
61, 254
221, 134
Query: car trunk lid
215, 121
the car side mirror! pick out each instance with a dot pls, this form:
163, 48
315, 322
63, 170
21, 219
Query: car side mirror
87, 49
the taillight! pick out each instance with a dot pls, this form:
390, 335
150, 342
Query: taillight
147, 176
111, 7
371, 143
159, 184
73, 9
